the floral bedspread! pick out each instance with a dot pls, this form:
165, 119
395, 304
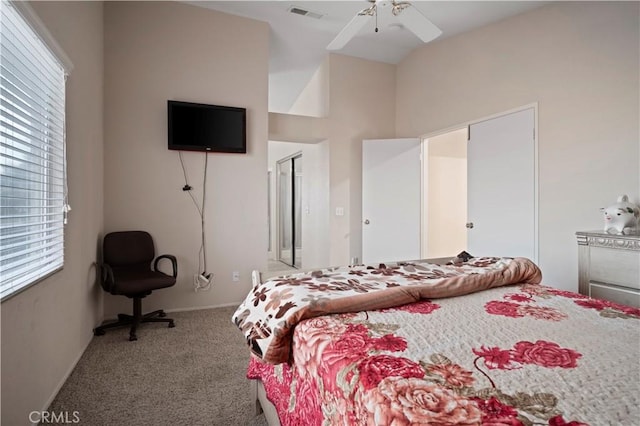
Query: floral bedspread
272, 309
515, 355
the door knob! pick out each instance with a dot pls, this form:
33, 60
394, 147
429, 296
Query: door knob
469, 225
366, 221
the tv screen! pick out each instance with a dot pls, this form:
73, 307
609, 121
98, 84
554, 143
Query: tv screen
202, 127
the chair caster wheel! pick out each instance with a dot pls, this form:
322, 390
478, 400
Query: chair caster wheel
162, 314
98, 332
132, 338
171, 324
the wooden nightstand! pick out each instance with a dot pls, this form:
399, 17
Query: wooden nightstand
609, 266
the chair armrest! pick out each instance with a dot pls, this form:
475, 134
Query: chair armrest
108, 281
174, 263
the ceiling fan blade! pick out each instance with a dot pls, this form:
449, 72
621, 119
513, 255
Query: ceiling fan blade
418, 24
348, 32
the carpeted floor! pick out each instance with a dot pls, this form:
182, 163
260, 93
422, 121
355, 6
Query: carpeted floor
193, 374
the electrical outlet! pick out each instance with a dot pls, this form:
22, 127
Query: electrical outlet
235, 276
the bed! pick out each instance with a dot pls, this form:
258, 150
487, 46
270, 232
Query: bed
469, 343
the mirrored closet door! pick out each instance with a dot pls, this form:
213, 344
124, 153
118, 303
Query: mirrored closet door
290, 210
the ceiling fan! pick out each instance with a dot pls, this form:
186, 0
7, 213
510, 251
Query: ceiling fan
408, 15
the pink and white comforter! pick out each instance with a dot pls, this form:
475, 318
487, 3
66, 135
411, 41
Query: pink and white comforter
272, 309
521, 354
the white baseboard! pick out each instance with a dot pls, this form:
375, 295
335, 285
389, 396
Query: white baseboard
188, 309
199, 308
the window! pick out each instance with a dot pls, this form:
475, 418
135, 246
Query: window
32, 152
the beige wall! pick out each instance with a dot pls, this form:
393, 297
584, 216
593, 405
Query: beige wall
155, 51
579, 61
362, 100
297, 128
46, 328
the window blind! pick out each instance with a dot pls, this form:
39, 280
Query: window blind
32, 156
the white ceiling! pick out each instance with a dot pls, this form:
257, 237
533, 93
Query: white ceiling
298, 43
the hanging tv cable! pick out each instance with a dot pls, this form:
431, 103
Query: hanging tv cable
204, 279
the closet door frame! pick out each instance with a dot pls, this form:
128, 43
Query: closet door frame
534, 106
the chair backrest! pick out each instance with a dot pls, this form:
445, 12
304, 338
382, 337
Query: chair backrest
128, 248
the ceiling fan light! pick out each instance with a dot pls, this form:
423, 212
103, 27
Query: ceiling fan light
398, 7
370, 11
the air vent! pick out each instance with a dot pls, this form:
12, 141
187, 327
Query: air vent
299, 11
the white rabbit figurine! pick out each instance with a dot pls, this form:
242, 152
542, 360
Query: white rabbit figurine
622, 217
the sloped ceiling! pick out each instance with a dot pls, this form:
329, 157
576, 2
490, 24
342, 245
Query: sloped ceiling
298, 43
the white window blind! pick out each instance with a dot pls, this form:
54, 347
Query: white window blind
32, 155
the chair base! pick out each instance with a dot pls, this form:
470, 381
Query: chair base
134, 320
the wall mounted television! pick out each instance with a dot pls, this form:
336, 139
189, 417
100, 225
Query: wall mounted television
209, 128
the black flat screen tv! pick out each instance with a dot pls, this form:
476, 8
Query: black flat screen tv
202, 127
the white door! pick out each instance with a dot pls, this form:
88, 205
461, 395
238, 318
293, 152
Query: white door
390, 200
501, 181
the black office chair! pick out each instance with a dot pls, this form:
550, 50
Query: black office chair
126, 271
